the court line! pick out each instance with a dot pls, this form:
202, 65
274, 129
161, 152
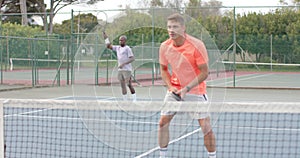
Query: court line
29, 112
260, 128
171, 142
87, 97
231, 127
243, 77
97, 120
58, 98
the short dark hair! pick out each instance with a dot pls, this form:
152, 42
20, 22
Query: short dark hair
123, 36
177, 17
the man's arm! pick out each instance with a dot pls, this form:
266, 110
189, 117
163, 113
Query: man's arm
166, 77
106, 39
130, 60
198, 79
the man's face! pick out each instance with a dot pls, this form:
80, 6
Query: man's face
122, 41
175, 29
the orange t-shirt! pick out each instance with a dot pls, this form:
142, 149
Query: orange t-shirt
184, 61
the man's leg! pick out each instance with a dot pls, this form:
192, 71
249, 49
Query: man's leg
128, 81
163, 133
209, 136
124, 90
132, 90
123, 85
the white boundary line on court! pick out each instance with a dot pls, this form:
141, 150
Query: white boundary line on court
88, 97
242, 78
171, 142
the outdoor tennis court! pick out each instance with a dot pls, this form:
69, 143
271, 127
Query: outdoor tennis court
242, 79
59, 124
60, 97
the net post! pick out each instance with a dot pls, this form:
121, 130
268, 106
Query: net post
1, 130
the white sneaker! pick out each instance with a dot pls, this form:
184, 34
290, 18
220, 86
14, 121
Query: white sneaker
124, 97
134, 97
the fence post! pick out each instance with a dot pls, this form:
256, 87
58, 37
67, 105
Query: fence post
1, 55
2, 144
234, 45
72, 47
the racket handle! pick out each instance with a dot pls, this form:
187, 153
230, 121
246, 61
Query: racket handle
104, 35
176, 96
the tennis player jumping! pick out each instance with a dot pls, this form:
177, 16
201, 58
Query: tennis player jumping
188, 59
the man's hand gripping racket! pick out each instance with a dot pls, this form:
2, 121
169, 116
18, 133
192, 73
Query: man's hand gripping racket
176, 96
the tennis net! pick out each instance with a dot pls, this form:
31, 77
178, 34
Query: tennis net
117, 129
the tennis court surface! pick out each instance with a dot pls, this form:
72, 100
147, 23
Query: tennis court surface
259, 75
92, 121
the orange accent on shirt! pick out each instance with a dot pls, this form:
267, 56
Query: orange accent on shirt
184, 61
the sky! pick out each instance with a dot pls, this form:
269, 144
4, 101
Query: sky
65, 13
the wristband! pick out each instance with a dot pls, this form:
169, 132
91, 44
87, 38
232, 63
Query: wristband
188, 88
107, 41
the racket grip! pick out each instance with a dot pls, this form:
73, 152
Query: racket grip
176, 96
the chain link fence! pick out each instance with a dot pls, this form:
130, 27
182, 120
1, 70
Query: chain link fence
65, 59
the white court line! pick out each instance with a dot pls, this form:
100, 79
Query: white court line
96, 120
260, 128
171, 142
94, 97
44, 117
243, 77
231, 127
58, 98
29, 112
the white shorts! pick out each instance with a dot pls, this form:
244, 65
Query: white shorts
124, 75
188, 97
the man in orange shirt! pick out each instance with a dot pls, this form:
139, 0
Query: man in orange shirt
188, 59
